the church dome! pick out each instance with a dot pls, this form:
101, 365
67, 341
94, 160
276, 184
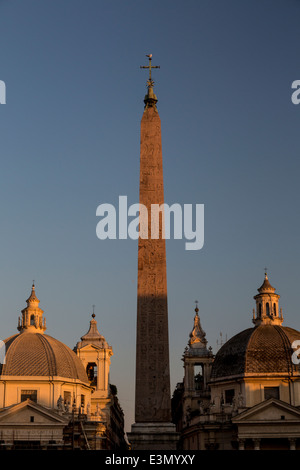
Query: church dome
263, 349
33, 353
38, 354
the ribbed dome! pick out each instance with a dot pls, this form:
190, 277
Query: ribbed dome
260, 350
38, 354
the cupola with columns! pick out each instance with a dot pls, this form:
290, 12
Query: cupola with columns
267, 307
32, 316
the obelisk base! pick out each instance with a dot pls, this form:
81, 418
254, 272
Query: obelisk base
153, 436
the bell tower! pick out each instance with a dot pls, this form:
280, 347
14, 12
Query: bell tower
95, 354
198, 360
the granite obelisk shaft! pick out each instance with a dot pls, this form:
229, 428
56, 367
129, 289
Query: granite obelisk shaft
152, 399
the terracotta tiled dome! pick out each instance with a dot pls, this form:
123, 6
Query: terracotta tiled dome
260, 350
37, 354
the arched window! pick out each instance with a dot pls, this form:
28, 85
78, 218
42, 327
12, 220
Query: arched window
91, 370
198, 376
274, 309
32, 320
259, 310
267, 308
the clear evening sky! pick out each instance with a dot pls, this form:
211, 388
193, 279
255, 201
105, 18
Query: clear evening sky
70, 141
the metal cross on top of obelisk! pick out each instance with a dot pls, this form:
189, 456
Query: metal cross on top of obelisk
150, 82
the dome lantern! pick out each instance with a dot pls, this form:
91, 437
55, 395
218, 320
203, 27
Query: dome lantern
197, 335
32, 315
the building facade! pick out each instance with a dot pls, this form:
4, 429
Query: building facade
55, 397
247, 396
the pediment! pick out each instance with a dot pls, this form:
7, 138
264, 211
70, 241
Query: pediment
23, 412
90, 347
269, 410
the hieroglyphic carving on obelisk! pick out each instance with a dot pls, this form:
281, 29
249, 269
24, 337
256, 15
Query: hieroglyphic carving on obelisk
152, 400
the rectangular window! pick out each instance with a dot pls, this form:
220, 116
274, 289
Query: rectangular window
271, 392
67, 398
229, 394
31, 394
82, 400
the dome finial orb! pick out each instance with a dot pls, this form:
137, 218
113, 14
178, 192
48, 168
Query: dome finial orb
266, 273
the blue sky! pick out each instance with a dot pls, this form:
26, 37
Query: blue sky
70, 141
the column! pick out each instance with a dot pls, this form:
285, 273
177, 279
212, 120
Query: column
292, 443
256, 443
241, 444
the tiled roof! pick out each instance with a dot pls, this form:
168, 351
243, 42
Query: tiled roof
41, 355
259, 350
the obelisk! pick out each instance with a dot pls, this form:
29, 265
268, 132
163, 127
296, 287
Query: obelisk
153, 428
